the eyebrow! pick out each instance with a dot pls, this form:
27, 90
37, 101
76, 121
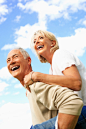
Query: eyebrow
39, 36
11, 56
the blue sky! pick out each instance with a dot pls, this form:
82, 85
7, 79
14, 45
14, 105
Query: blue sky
18, 21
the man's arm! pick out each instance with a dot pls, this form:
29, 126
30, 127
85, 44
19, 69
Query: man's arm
55, 97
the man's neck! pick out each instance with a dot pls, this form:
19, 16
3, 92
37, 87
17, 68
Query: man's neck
22, 81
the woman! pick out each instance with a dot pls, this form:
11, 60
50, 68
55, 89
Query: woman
66, 69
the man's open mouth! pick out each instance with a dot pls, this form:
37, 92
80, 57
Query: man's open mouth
15, 68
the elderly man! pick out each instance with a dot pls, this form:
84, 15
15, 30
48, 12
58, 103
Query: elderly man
45, 100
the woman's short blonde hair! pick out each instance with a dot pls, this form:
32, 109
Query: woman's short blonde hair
50, 36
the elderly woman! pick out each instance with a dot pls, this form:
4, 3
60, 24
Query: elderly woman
66, 69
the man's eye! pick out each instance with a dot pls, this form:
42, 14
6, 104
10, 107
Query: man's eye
16, 56
8, 61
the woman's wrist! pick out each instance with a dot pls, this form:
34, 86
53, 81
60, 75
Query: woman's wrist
35, 77
31, 76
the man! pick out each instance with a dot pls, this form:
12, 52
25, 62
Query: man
45, 100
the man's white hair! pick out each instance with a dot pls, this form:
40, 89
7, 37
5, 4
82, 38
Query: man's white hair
23, 52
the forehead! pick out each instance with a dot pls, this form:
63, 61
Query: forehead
13, 52
36, 35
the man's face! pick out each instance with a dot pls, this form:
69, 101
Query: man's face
17, 65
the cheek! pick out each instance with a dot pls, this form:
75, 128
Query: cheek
35, 49
34, 46
8, 67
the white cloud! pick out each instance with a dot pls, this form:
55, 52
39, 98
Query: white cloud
15, 116
4, 74
43, 9
24, 34
17, 18
3, 101
2, 19
9, 46
2, 1
3, 10
20, 5
7, 93
75, 43
53, 9
19, 0
3, 85
82, 21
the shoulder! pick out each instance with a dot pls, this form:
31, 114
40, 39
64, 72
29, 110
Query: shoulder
37, 86
63, 59
62, 54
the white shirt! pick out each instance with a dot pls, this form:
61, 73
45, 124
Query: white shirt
63, 59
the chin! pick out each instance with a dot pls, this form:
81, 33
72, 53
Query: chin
40, 52
15, 75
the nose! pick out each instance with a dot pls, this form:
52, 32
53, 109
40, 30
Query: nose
12, 61
37, 41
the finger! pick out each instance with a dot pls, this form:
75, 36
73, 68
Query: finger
25, 82
27, 87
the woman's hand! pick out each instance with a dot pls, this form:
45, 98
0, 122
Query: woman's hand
28, 79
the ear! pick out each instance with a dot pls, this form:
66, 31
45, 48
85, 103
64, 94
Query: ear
53, 43
29, 60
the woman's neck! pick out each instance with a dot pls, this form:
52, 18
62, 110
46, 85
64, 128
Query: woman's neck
49, 57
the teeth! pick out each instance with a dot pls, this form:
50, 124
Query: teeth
14, 68
41, 46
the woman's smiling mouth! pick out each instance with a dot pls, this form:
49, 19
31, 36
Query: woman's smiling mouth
39, 47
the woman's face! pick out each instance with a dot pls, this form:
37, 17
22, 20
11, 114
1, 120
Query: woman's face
42, 45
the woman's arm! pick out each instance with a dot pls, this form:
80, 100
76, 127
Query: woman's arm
70, 79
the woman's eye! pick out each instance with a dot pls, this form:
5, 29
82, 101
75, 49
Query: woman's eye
34, 41
41, 37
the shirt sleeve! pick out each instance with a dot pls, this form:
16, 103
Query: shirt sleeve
63, 59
